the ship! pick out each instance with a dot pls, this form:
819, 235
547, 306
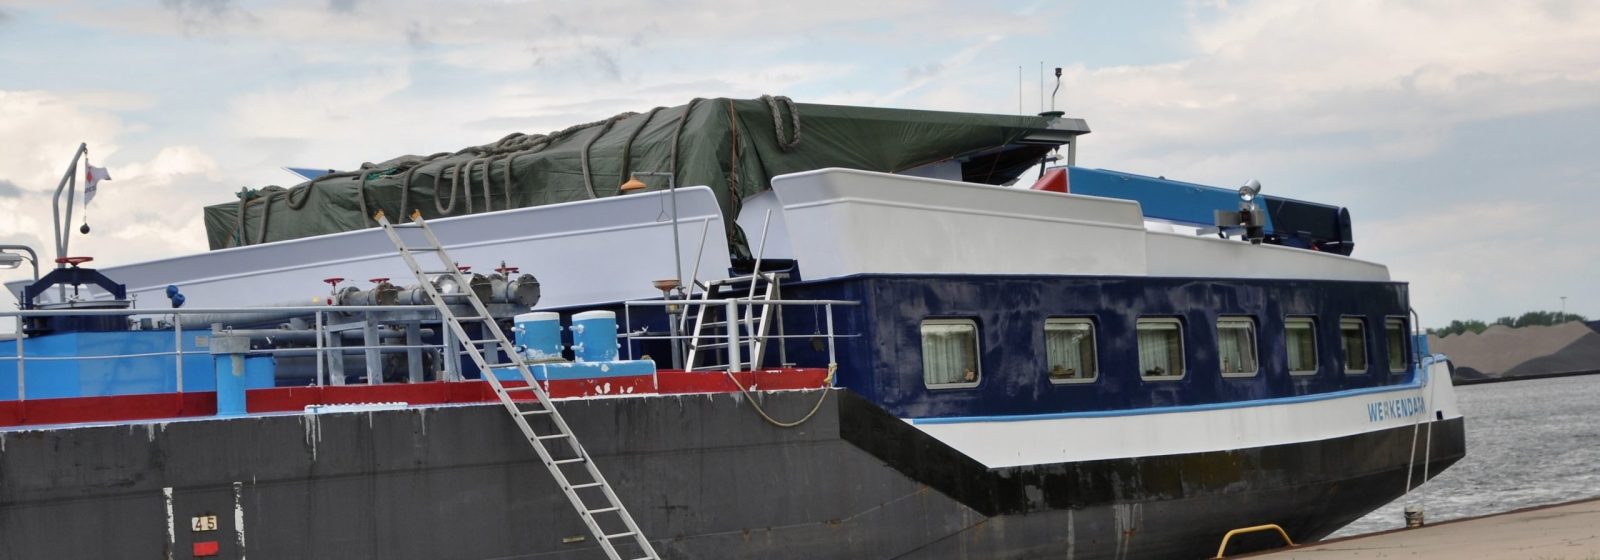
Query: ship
734, 328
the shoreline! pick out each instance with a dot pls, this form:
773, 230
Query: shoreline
1463, 382
1332, 546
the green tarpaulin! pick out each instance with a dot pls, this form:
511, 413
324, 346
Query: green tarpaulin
735, 146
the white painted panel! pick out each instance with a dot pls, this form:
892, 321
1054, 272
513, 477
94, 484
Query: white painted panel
1177, 254
586, 252
752, 215
844, 222
1030, 442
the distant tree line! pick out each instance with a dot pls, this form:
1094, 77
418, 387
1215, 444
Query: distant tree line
1529, 319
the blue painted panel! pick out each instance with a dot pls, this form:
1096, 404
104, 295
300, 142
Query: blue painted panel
885, 365
88, 376
1162, 199
307, 172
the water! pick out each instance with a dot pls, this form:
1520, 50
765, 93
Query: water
1529, 443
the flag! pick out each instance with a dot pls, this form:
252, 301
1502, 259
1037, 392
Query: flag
92, 176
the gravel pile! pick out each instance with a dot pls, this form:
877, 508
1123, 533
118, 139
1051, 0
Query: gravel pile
1502, 351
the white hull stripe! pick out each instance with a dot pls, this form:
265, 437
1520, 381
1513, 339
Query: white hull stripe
1059, 438
1413, 385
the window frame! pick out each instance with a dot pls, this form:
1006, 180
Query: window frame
1316, 346
1344, 353
1255, 344
1183, 361
1094, 346
977, 351
1405, 343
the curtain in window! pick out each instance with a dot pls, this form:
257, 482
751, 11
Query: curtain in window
1355, 346
1069, 349
1397, 346
1160, 350
949, 352
1302, 343
1236, 346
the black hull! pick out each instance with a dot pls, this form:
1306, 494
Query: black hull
704, 476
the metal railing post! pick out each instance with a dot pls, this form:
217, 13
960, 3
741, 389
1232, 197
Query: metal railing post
369, 340
414, 351
783, 346
22, 369
449, 356
732, 311
831, 359
321, 354
177, 339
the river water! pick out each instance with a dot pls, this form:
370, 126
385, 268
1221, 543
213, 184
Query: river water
1529, 443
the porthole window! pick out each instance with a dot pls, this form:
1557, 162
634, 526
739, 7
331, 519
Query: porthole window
1160, 349
1069, 350
1236, 346
1353, 341
1395, 332
1300, 339
950, 353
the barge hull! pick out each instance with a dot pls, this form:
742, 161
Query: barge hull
703, 474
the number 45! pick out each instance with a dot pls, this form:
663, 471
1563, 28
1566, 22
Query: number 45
203, 523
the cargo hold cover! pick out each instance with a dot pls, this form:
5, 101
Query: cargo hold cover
735, 146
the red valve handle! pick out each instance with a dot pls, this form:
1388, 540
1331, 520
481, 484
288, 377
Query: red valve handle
463, 268
74, 261
378, 280
332, 281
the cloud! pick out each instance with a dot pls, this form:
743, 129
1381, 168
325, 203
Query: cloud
9, 189
1362, 81
1362, 103
415, 36
605, 62
204, 16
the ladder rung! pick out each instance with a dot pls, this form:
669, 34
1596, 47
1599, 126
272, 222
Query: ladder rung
620, 535
604, 510
533, 412
468, 318
551, 436
567, 461
586, 485
484, 341
418, 249
522, 388
499, 365
711, 345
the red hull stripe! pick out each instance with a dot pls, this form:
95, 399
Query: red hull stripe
294, 399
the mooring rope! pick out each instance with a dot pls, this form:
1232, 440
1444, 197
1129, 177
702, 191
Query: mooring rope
827, 387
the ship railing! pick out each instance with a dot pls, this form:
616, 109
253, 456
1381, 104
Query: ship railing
326, 328
741, 335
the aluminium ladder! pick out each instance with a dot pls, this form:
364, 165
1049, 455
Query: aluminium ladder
751, 343
520, 411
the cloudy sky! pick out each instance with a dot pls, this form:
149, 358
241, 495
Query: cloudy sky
1461, 135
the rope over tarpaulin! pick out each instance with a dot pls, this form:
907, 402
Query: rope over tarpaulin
735, 149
